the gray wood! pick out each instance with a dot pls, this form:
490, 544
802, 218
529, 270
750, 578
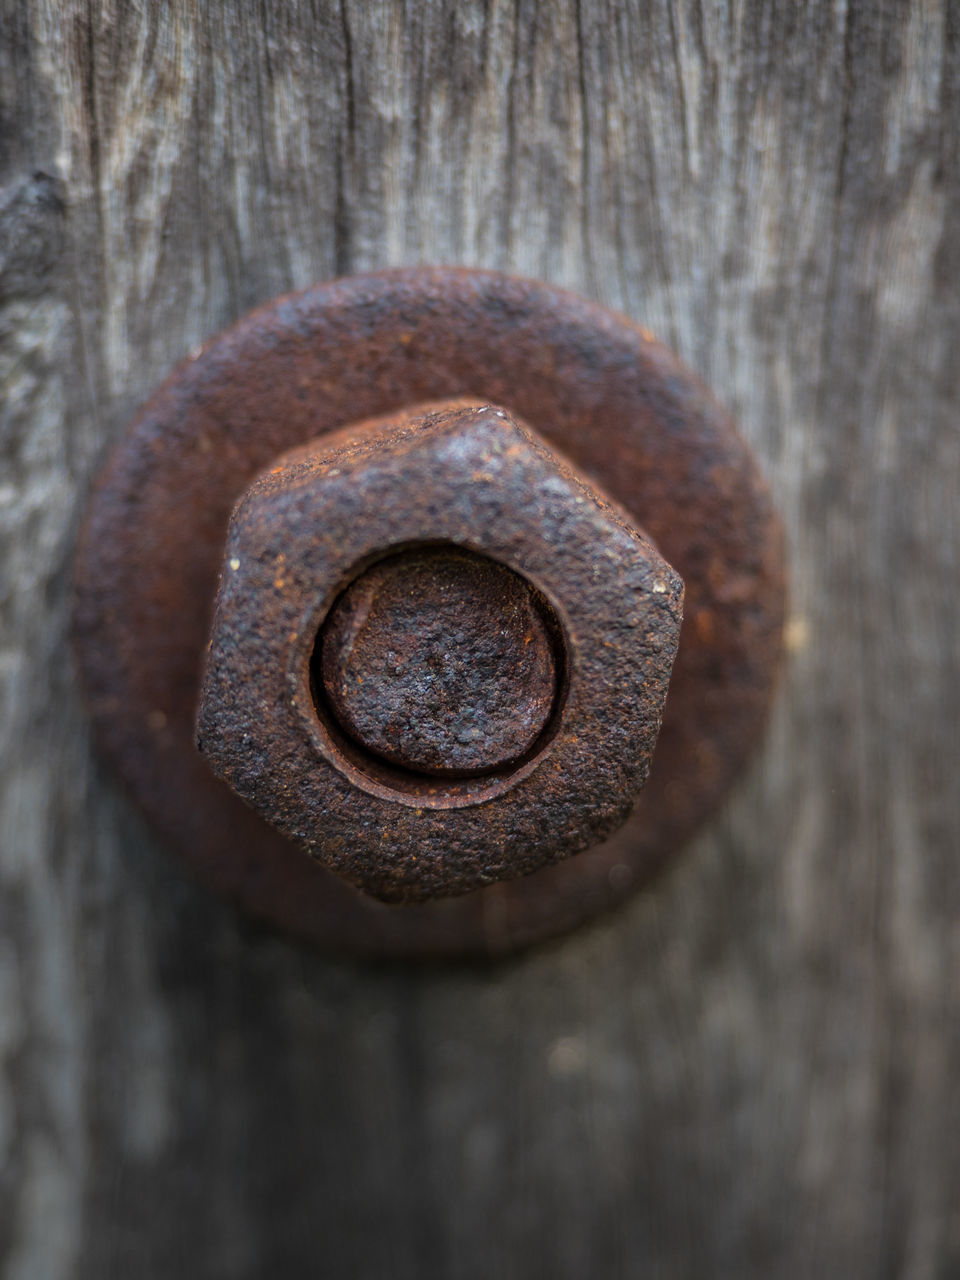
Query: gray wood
751, 1071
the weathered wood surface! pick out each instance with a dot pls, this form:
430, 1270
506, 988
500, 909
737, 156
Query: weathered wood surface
755, 1069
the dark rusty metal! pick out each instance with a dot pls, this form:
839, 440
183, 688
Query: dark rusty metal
460, 475
596, 387
441, 662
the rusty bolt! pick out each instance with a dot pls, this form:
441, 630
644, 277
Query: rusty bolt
602, 393
439, 656
442, 662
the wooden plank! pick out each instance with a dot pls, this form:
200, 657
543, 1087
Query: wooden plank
752, 1070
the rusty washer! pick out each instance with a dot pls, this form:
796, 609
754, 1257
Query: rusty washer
450, 477
596, 401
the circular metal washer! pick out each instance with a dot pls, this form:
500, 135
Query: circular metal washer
618, 404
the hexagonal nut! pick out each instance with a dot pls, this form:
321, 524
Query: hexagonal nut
470, 480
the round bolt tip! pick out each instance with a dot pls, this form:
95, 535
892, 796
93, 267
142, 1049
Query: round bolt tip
440, 661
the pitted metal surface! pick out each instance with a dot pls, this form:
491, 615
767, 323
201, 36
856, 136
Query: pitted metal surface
441, 662
619, 405
452, 476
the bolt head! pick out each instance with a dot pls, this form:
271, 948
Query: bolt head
379, 794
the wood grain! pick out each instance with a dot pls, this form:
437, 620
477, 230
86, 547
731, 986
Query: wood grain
752, 1071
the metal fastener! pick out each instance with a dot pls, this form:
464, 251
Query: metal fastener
369, 744
442, 662
602, 394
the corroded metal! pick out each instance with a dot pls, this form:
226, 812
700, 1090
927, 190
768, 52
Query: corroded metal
616, 403
457, 475
442, 662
